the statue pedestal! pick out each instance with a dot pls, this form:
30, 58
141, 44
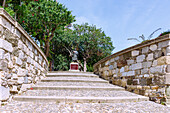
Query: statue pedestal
74, 66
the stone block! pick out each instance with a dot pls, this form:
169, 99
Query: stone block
124, 74
115, 65
143, 82
135, 53
111, 67
145, 50
145, 71
163, 60
4, 93
136, 66
3, 65
157, 69
7, 57
149, 57
135, 81
140, 58
146, 75
155, 63
24, 87
10, 65
21, 72
117, 58
18, 61
158, 53
130, 62
146, 64
153, 47
112, 60
6, 45
167, 78
107, 63
122, 69
2, 52
163, 44
131, 73
168, 50
20, 80
14, 89
137, 72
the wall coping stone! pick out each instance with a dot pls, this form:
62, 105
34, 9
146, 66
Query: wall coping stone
3, 13
135, 47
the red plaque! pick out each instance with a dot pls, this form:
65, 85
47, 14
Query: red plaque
74, 66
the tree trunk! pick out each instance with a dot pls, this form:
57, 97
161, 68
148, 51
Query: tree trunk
4, 3
50, 66
85, 63
47, 48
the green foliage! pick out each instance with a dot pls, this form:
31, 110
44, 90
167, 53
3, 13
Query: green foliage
164, 33
9, 10
91, 43
61, 62
43, 19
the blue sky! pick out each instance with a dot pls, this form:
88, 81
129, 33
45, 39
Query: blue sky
122, 19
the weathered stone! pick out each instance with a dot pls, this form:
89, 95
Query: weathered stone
6, 45
131, 73
29, 60
168, 50
163, 44
4, 93
146, 75
111, 67
20, 80
18, 61
24, 87
142, 82
130, 62
145, 71
167, 78
136, 66
150, 57
31, 54
117, 58
163, 60
124, 74
8, 76
2, 54
157, 69
112, 60
107, 63
135, 53
14, 77
126, 68
135, 81
137, 72
114, 66
3, 65
122, 69
140, 58
7, 57
158, 54
146, 64
13, 40
145, 50
21, 72
153, 47
155, 63
14, 89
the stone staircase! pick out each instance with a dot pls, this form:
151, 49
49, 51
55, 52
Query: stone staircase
78, 87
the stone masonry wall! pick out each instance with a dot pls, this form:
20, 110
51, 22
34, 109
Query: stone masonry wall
22, 63
143, 69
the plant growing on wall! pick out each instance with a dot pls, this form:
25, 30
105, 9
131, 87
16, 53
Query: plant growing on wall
143, 37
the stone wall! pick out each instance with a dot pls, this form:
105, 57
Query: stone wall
22, 62
143, 69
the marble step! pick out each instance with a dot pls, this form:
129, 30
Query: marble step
79, 93
77, 88
81, 99
74, 84
71, 75
74, 79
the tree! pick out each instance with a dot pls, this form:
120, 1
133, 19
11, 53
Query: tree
90, 42
42, 18
143, 37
